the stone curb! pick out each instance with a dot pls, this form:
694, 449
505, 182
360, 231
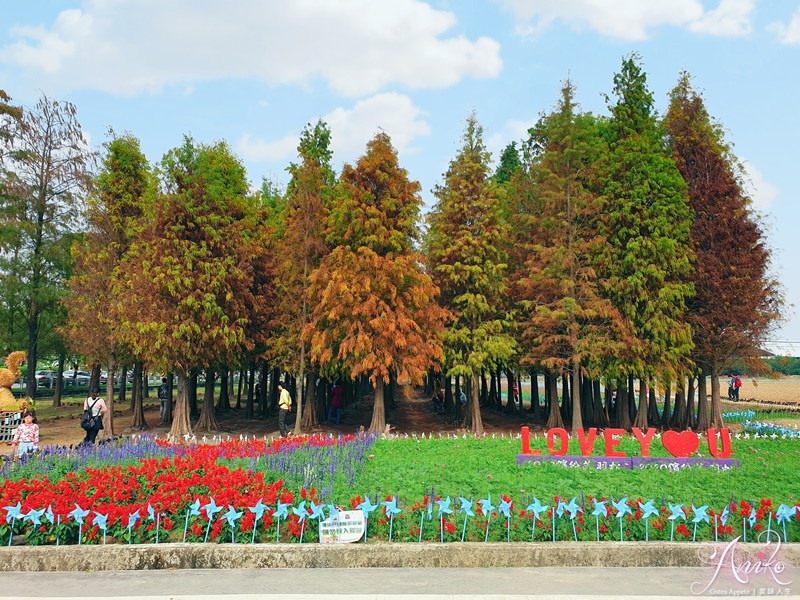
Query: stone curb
122, 557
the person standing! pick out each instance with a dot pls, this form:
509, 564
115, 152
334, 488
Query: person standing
98, 407
26, 435
337, 402
284, 406
163, 396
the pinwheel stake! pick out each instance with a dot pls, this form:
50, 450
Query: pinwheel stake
301, 513
154, 516
599, 509
487, 508
444, 508
676, 511
258, 512
366, 507
648, 510
132, 519
13, 513
505, 510
783, 514
723, 518
699, 515
422, 518
391, 508
537, 508
466, 508
102, 522
280, 511
231, 517
78, 514
573, 509
211, 509
622, 509
193, 511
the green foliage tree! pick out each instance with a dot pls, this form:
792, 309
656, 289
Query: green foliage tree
465, 252
45, 177
737, 301
647, 220
376, 312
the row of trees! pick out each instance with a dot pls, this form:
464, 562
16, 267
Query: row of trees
606, 248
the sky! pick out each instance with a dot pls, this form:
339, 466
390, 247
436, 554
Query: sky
256, 72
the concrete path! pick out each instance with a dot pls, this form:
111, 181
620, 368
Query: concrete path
582, 583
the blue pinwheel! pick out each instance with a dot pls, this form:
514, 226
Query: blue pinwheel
301, 513
429, 511
54, 520
133, 518
573, 509
465, 507
623, 509
486, 508
505, 509
231, 517
444, 509
391, 510
13, 513
676, 512
317, 512
700, 515
154, 516
34, 516
783, 514
102, 523
211, 509
720, 519
193, 510
281, 511
648, 510
537, 508
599, 509
78, 514
366, 507
258, 512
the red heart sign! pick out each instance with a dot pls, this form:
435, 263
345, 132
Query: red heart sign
680, 445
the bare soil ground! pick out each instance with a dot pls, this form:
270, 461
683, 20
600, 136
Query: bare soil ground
412, 414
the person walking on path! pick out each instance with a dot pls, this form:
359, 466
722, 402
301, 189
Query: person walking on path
98, 407
284, 406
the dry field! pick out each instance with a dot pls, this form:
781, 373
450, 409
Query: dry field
785, 390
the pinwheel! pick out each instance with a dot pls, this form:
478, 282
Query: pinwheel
78, 514
13, 513
366, 507
486, 508
34, 516
54, 520
505, 510
429, 510
676, 512
258, 512
132, 520
784, 514
282, 511
465, 506
599, 509
444, 508
622, 509
648, 510
700, 514
537, 508
193, 510
211, 509
573, 509
154, 516
301, 513
102, 523
391, 510
231, 517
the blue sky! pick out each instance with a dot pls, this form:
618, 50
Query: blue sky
254, 72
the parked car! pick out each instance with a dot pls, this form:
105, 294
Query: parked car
46, 378
76, 378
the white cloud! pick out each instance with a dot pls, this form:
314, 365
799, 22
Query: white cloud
632, 20
761, 191
356, 46
787, 34
513, 131
351, 129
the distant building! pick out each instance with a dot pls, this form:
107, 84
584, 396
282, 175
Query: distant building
780, 348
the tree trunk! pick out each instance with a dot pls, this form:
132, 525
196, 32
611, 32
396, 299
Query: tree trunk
666, 413
309, 417
600, 415
691, 418
191, 391
577, 405
474, 406
641, 421
378, 423
138, 422
169, 404
108, 418
566, 403
181, 423
554, 418
208, 417
224, 400
249, 411
624, 398
31, 357
58, 387
653, 416
536, 408
716, 406
703, 421
511, 401
123, 384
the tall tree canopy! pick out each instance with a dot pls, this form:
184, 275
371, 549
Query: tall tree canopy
465, 250
737, 300
376, 313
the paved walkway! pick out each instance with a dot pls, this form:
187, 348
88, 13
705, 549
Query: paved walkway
651, 583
